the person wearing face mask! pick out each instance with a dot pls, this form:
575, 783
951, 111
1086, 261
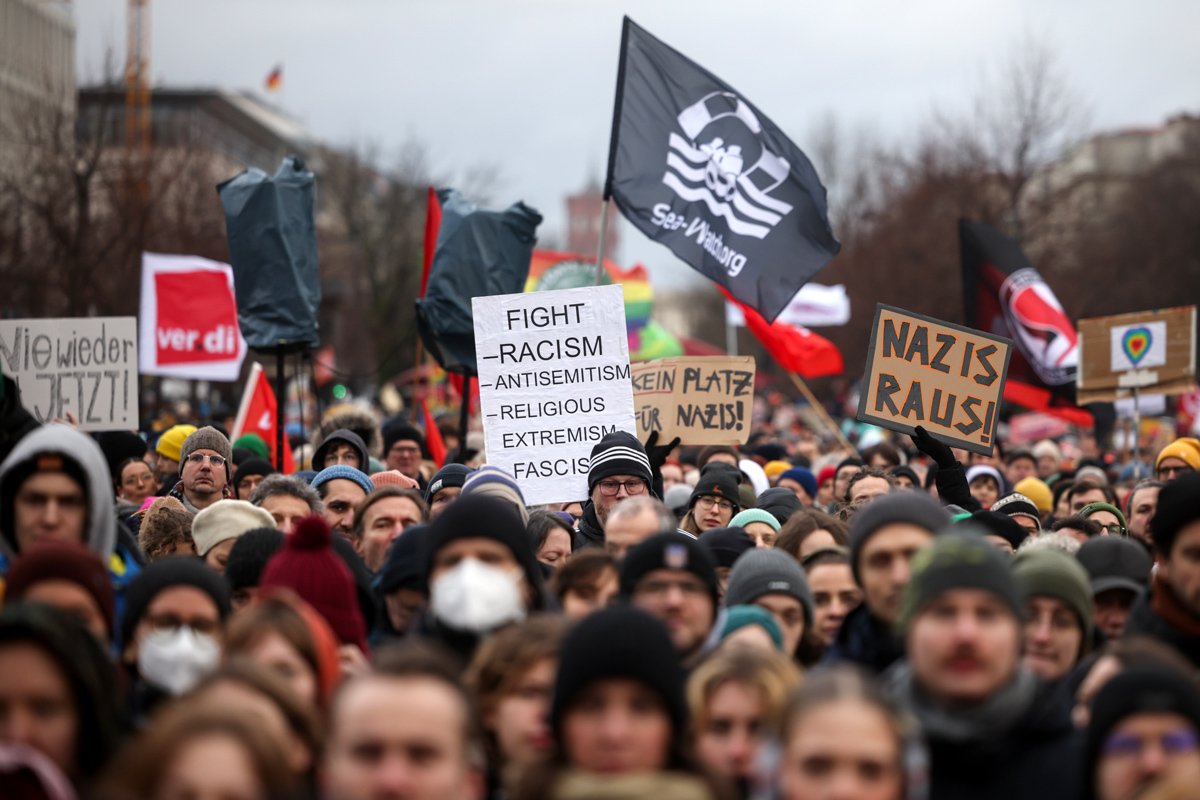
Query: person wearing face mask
175, 611
481, 572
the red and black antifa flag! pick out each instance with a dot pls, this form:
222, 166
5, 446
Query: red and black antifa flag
1004, 294
696, 167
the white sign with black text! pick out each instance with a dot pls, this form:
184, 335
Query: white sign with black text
553, 379
86, 368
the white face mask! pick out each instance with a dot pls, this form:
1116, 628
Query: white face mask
176, 660
476, 597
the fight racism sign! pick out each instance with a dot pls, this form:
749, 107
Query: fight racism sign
1152, 351
701, 399
696, 167
189, 319
553, 380
944, 377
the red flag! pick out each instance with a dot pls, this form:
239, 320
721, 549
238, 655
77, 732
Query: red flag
1035, 398
256, 414
274, 80
433, 437
433, 222
795, 348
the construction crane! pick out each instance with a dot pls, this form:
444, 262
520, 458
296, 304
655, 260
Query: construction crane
137, 77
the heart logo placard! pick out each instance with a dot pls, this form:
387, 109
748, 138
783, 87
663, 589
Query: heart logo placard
1136, 343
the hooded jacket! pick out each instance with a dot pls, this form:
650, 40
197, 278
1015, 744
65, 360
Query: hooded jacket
101, 531
344, 436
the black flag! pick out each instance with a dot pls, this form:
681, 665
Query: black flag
696, 167
1004, 294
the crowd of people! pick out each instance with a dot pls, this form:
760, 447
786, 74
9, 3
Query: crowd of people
784, 619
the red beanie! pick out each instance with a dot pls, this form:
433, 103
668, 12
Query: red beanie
67, 561
308, 566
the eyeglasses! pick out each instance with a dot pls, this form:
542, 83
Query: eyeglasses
1173, 743
610, 488
708, 502
1114, 529
168, 623
1172, 471
200, 458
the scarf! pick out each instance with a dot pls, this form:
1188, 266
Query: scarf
994, 716
1164, 603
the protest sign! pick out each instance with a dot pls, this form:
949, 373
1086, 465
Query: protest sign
189, 319
83, 367
1146, 351
553, 380
944, 377
701, 399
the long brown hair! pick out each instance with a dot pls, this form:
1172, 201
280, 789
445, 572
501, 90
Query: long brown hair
140, 768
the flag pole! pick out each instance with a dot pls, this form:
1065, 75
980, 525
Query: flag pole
603, 236
280, 399
820, 410
612, 147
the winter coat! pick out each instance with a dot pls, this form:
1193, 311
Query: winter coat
866, 641
589, 532
1159, 615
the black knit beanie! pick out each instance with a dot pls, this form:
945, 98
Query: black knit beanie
780, 503
249, 556
914, 508
718, 480
481, 516
399, 431
958, 560
619, 453
726, 544
1143, 689
404, 568
670, 550
163, 574
998, 524
449, 476
1177, 508
118, 447
619, 642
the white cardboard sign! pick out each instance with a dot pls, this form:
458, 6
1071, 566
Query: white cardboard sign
83, 366
553, 379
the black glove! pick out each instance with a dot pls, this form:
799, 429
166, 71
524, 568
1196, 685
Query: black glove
658, 455
941, 454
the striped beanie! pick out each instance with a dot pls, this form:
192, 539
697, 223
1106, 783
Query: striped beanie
619, 453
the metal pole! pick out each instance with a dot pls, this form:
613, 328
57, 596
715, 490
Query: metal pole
731, 337
1137, 427
280, 399
603, 236
464, 414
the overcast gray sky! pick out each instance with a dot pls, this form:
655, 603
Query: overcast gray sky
527, 85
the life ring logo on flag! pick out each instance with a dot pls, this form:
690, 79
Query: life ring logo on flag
724, 163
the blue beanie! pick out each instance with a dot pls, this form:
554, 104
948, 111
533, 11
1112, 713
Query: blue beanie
741, 616
345, 473
802, 476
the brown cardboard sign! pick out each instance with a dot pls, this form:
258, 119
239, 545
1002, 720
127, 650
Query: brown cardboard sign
701, 399
1151, 351
944, 377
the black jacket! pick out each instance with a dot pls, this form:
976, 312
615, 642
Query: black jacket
1039, 757
1145, 621
589, 533
866, 641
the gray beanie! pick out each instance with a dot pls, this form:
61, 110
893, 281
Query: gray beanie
766, 571
207, 438
914, 508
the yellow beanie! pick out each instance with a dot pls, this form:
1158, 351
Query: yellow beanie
1185, 449
776, 468
171, 442
1037, 491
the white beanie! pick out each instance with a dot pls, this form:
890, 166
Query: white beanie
227, 519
